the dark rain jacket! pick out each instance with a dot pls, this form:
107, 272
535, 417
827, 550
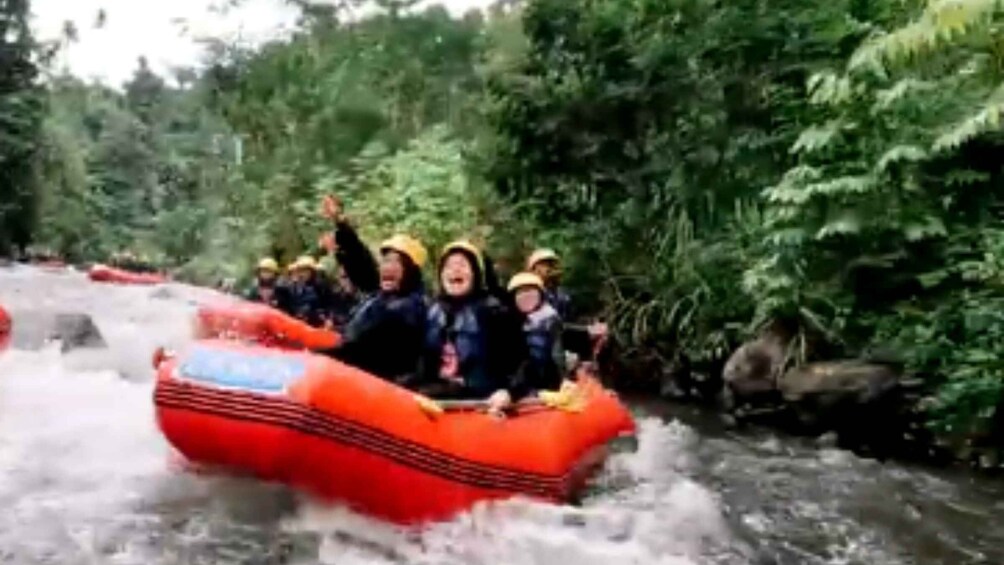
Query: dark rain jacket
385, 332
309, 301
278, 300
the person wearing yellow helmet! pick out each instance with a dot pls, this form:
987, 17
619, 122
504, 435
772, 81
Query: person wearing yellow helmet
546, 264
542, 328
474, 346
266, 288
384, 334
309, 298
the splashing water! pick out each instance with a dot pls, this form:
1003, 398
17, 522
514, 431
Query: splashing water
85, 477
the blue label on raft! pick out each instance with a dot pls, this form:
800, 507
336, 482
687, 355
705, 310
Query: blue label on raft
231, 369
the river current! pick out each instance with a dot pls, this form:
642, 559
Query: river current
86, 478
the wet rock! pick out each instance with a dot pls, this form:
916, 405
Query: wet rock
837, 382
34, 329
729, 421
990, 460
676, 379
850, 397
829, 440
163, 293
753, 370
669, 388
77, 331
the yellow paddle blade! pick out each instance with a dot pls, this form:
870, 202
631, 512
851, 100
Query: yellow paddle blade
569, 387
568, 398
428, 405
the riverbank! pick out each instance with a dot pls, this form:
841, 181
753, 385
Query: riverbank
872, 407
696, 492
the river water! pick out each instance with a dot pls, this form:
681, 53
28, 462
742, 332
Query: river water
86, 478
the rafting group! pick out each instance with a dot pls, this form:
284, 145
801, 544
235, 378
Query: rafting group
404, 405
367, 390
473, 339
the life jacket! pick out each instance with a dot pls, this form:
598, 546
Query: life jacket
305, 302
539, 329
463, 335
560, 301
542, 330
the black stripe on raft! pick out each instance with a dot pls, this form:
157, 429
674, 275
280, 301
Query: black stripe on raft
244, 406
307, 423
302, 420
249, 401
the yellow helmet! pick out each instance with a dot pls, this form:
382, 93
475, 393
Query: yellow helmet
408, 246
541, 255
521, 280
463, 245
268, 264
304, 262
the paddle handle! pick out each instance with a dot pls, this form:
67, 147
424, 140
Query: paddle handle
456, 405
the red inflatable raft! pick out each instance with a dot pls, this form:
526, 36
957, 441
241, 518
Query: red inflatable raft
261, 324
343, 435
53, 266
5, 329
106, 274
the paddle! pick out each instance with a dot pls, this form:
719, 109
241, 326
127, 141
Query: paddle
569, 398
160, 355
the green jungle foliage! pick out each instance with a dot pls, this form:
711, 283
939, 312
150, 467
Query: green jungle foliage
703, 167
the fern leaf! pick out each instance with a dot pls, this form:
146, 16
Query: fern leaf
844, 223
964, 177
816, 137
854, 184
943, 22
987, 119
902, 89
930, 227
827, 88
900, 153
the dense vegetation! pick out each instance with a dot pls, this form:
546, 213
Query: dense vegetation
704, 167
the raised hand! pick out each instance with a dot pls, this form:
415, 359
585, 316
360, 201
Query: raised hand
331, 208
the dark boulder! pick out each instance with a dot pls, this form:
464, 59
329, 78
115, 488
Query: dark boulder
860, 401
752, 372
836, 383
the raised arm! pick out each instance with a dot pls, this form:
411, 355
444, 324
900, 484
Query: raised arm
350, 251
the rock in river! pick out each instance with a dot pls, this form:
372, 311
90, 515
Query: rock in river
753, 370
831, 393
75, 330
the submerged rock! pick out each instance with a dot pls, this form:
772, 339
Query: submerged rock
163, 293
75, 330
